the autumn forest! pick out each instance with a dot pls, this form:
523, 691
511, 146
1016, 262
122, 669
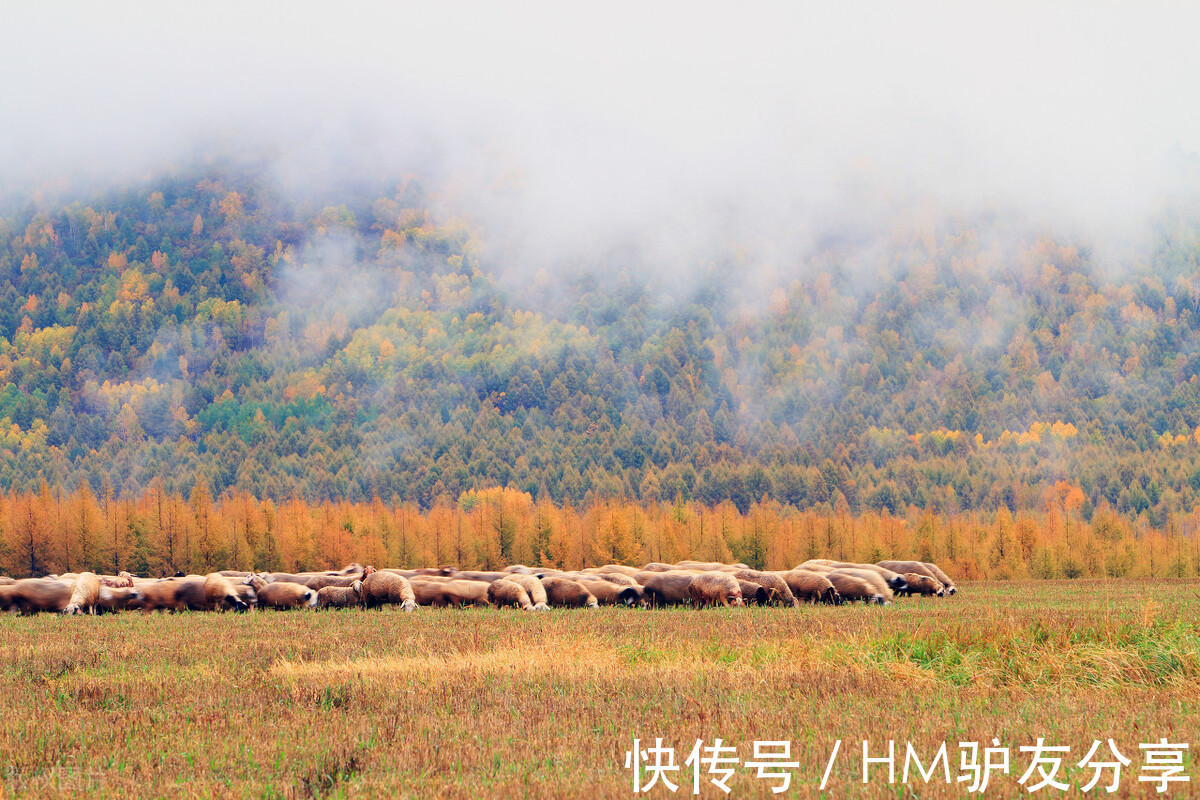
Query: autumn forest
204, 370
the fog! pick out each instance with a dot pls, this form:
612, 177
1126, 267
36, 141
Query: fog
568, 131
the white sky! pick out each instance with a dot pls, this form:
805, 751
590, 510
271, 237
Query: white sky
608, 112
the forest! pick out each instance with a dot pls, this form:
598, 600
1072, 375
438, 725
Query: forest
206, 336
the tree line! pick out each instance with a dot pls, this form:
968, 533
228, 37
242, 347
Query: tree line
160, 533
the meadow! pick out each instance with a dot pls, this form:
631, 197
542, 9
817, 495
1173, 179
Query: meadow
490, 703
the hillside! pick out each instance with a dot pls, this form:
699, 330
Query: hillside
208, 330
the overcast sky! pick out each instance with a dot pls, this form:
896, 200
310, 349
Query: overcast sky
602, 116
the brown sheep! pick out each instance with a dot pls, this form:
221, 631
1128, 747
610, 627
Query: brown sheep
667, 588
852, 587
340, 596
318, 582
171, 594
754, 593
282, 594
380, 588
894, 579
871, 577
31, 595
508, 593
116, 598
658, 566
922, 568
567, 593
537, 592
438, 592
922, 585
810, 586
608, 593
219, 594
942, 577
85, 595
715, 588
777, 588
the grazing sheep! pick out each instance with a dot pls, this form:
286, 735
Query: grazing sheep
85, 595
439, 592
921, 568
941, 576
116, 598
810, 586
219, 594
340, 596
777, 588
667, 588
380, 588
171, 594
504, 592
852, 587
318, 582
873, 578
31, 595
567, 593
754, 593
715, 588
608, 593
922, 585
894, 579
537, 592
282, 594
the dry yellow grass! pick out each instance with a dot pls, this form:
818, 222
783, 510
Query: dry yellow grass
477, 703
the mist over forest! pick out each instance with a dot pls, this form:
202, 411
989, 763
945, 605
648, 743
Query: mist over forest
691, 259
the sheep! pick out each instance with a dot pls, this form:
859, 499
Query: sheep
871, 577
85, 595
922, 568
438, 592
922, 585
810, 586
564, 592
31, 595
381, 588
504, 592
340, 596
777, 588
219, 594
852, 587
667, 588
537, 592
282, 594
608, 593
713, 588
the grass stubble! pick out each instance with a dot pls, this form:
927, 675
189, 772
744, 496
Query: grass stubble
487, 703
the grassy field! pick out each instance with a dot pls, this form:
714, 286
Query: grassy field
485, 703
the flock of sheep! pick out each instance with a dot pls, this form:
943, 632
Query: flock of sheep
686, 583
